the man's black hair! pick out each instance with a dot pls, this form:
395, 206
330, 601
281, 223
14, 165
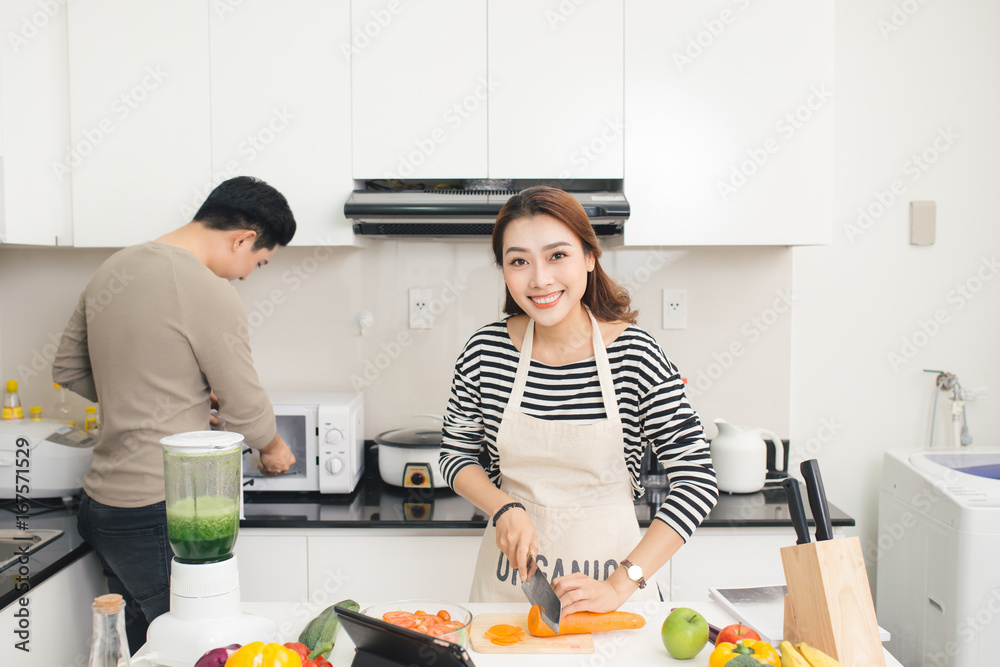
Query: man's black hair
246, 202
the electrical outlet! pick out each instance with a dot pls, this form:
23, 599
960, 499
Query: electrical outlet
420, 308
674, 309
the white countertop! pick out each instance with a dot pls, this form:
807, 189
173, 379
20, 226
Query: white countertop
625, 647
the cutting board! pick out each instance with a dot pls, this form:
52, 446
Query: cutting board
558, 644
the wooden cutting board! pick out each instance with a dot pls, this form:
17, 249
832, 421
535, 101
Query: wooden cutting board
559, 644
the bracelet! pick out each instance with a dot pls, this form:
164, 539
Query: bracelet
504, 509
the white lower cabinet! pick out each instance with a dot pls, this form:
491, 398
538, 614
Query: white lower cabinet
378, 565
728, 558
272, 565
368, 565
57, 618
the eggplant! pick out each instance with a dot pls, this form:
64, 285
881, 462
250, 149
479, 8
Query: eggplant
217, 656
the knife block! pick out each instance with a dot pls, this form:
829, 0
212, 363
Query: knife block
829, 603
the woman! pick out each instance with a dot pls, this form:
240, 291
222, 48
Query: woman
565, 395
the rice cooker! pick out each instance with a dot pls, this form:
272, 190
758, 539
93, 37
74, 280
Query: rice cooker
408, 457
52, 455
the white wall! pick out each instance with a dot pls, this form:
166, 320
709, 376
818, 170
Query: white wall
860, 297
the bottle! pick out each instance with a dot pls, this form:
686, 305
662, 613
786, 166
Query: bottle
61, 410
109, 647
12, 403
90, 422
36, 413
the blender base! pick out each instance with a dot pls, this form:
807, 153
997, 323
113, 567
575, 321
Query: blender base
204, 614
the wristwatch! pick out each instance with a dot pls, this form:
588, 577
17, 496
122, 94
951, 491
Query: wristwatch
634, 572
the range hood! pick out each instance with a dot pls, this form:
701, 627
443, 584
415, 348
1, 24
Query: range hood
466, 213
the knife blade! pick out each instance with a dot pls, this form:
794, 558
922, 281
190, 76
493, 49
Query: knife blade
796, 510
539, 591
817, 499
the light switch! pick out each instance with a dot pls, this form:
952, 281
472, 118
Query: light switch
923, 221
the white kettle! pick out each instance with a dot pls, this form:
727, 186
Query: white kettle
739, 455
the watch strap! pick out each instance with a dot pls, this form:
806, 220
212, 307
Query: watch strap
641, 581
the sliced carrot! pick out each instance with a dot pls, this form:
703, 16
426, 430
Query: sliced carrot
503, 630
505, 641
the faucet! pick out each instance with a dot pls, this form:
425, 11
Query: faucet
959, 419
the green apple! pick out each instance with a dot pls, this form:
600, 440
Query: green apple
684, 633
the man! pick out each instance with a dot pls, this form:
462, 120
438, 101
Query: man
159, 332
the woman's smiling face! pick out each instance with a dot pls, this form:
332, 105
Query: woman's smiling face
545, 268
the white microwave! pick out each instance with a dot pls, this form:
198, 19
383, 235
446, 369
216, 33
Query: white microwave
325, 431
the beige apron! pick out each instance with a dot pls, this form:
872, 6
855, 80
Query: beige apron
574, 484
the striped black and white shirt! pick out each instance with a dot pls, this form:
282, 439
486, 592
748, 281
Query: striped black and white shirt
654, 412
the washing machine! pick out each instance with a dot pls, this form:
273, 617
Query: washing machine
938, 556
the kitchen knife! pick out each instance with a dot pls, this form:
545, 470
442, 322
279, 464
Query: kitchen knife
539, 591
817, 499
796, 510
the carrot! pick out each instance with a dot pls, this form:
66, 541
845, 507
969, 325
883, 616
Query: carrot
505, 641
583, 622
504, 630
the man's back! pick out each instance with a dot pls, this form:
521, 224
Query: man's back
160, 332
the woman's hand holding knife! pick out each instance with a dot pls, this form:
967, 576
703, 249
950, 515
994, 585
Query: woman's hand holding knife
515, 533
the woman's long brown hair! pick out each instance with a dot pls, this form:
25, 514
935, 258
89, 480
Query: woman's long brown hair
607, 300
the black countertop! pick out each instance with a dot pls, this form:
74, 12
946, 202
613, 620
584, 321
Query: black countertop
51, 514
375, 504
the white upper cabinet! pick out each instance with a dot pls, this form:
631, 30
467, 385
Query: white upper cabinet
729, 122
281, 107
555, 71
474, 89
36, 164
139, 117
419, 89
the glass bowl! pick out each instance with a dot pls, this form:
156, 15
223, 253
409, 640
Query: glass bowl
457, 612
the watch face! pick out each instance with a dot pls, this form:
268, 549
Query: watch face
634, 572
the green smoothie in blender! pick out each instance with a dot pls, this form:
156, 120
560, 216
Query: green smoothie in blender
202, 531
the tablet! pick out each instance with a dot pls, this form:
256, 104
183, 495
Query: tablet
383, 643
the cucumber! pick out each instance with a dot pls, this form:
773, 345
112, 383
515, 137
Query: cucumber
321, 632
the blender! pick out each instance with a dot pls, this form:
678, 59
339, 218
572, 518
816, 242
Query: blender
203, 483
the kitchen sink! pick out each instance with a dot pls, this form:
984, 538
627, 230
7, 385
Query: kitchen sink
12, 543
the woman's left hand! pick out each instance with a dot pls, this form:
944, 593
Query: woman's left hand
579, 592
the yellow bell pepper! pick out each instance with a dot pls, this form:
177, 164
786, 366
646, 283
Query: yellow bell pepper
259, 654
762, 652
